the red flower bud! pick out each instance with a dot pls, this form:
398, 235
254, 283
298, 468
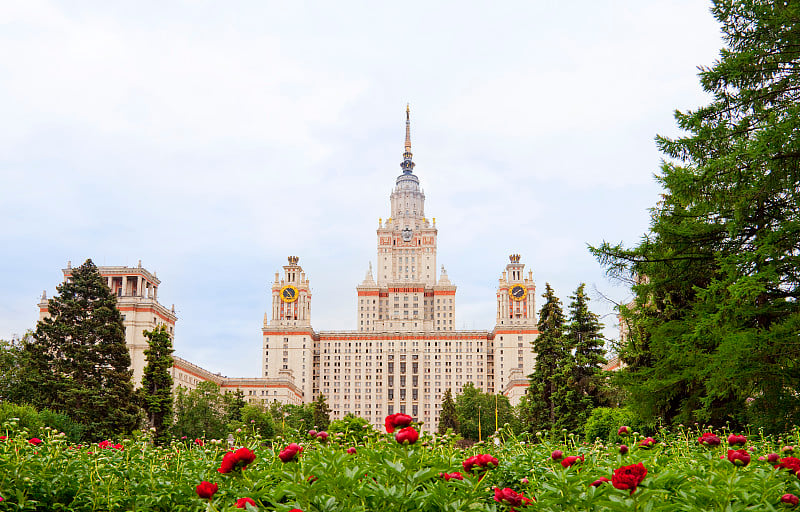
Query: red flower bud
600, 481
739, 457
557, 455
624, 430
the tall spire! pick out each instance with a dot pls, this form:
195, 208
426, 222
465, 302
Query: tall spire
407, 165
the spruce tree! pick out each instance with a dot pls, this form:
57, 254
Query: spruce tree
584, 337
80, 358
321, 413
717, 302
549, 380
156, 390
448, 418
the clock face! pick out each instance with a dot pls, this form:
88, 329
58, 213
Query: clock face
289, 293
518, 292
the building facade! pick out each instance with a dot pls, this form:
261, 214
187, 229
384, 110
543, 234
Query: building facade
405, 352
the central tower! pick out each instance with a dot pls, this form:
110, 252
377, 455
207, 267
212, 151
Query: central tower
406, 293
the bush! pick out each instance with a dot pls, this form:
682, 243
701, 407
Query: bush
34, 422
604, 422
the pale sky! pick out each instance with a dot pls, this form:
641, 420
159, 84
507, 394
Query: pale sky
210, 140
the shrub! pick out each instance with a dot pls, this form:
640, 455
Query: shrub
604, 422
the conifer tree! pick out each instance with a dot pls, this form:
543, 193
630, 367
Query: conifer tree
80, 359
583, 334
156, 390
321, 413
448, 418
548, 390
717, 297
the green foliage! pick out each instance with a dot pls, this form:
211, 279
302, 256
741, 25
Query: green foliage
156, 390
35, 423
385, 476
289, 417
549, 397
604, 422
78, 363
448, 418
352, 428
475, 408
201, 412
713, 329
583, 337
321, 413
259, 419
17, 384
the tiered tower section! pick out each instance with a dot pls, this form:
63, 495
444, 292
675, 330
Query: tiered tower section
288, 350
406, 295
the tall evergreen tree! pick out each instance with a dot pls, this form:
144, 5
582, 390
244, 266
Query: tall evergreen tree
80, 359
156, 390
549, 380
448, 418
717, 309
583, 335
321, 413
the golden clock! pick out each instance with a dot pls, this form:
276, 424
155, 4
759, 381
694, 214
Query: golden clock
518, 292
289, 293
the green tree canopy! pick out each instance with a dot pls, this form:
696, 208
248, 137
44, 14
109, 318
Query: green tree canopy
713, 328
321, 413
475, 407
79, 362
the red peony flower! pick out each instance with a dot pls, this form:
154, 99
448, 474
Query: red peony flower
245, 456
790, 463
479, 463
351, 451
455, 475
105, 445
739, 457
398, 420
322, 436
569, 461
557, 455
242, 502
35, 441
790, 499
3, 438
735, 440
199, 442
312, 433
623, 449
624, 430
206, 490
295, 510
289, 453
629, 477
407, 435
508, 497
772, 458
600, 481
647, 443
709, 439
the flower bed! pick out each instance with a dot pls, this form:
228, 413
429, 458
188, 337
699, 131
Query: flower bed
682, 471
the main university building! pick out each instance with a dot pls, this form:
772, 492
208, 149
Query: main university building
406, 351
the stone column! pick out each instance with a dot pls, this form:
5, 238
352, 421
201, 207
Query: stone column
124, 285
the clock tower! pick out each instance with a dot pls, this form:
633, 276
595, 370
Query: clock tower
516, 302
